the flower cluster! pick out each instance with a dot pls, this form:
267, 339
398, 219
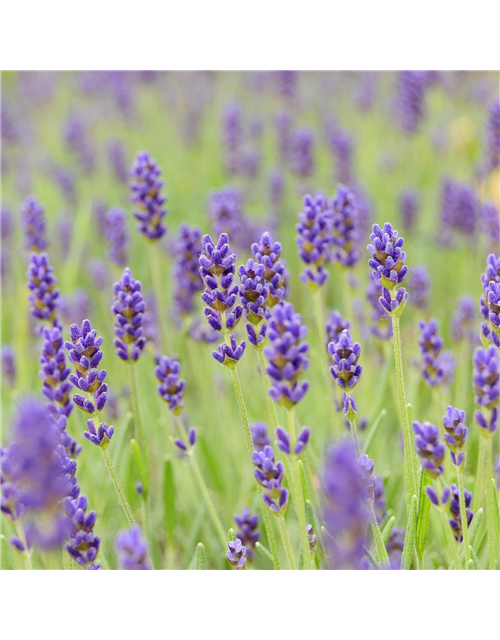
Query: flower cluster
260, 438
128, 309
254, 295
267, 252
217, 271
456, 433
185, 274
490, 300
132, 550
117, 159
314, 240
83, 544
486, 381
420, 283
458, 210
44, 297
248, 532
116, 234
345, 233
456, 520
341, 146
55, 373
171, 388
345, 356
381, 326
411, 99
85, 354
287, 355
335, 326
463, 321
493, 136
366, 466
34, 225
409, 203
429, 447
191, 441
226, 210
236, 554
434, 359
285, 444
9, 371
302, 152
146, 195
232, 136
76, 137
269, 474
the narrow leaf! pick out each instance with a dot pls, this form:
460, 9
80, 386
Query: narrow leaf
387, 530
496, 510
231, 535
264, 552
4, 554
411, 534
139, 465
474, 559
424, 506
371, 558
200, 557
303, 480
169, 500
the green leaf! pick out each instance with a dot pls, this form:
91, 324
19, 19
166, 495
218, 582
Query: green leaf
371, 558
387, 530
301, 561
424, 506
475, 524
303, 480
264, 552
4, 554
410, 537
231, 535
496, 510
200, 557
169, 500
474, 560
139, 465
409, 413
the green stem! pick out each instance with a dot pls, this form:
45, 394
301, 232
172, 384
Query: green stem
490, 505
139, 434
355, 439
299, 493
409, 458
346, 292
383, 557
452, 543
463, 513
119, 489
243, 411
286, 543
209, 502
478, 496
68, 561
157, 285
267, 385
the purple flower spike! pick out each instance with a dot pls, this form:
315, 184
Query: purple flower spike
345, 227
463, 321
253, 290
128, 309
335, 326
132, 550
34, 225
409, 204
420, 283
171, 388
185, 274
44, 297
260, 438
410, 103
229, 354
287, 355
147, 197
429, 448
487, 426
83, 544
268, 252
85, 354
302, 440
366, 466
350, 408
236, 554
248, 532
314, 239
486, 377
226, 210
302, 152
100, 437
387, 259
431, 345
456, 433
117, 159
345, 355
270, 475
456, 520
54, 373
116, 234
9, 371
381, 326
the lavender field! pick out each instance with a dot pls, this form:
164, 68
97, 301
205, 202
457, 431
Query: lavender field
250, 321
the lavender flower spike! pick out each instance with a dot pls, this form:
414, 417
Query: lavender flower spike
486, 381
54, 373
83, 544
267, 252
345, 355
387, 259
146, 195
270, 474
9, 371
44, 297
34, 225
254, 295
236, 554
314, 239
132, 550
248, 532
335, 326
431, 345
345, 227
287, 355
185, 274
128, 309
171, 388
456, 433
85, 354
429, 448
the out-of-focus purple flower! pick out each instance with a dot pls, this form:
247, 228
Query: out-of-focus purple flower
409, 205
342, 147
287, 355
366, 466
395, 545
410, 100
117, 159
463, 321
147, 197
313, 540
65, 180
250, 163
9, 370
456, 520
128, 309
456, 433
116, 235
365, 93
100, 213
5, 235
232, 137
191, 441
75, 135
270, 474
83, 544
85, 354
345, 355
302, 152
283, 123
429, 447
99, 273
100, 435
284, 441
335, 326
287, 83
276, 187
388, 259
379, 503
268, 252
345, 232
75, 306
259, 435
492, 143
185, 274
44, 297
490, 224
248, 532
314, 239
171, 388
54, 373
236, 554
431, 345
420, 283
381, 326
132, 550
486, 381
490, 276
435, 498
345, 514
459, 210
33, 218
226, 210
121, 84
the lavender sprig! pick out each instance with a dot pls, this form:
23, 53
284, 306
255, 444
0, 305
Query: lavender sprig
146, 193
128, 309
34, 225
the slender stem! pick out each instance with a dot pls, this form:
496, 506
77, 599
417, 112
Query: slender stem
452, 543
139, 433
409, 458
463, 513
346, 291
159, 289
490, 505
355, 439
243, 411
286, 543
119, 489
68, 561
478, 496
383, 557
209, 502
299, 494
267, 385
319, 315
